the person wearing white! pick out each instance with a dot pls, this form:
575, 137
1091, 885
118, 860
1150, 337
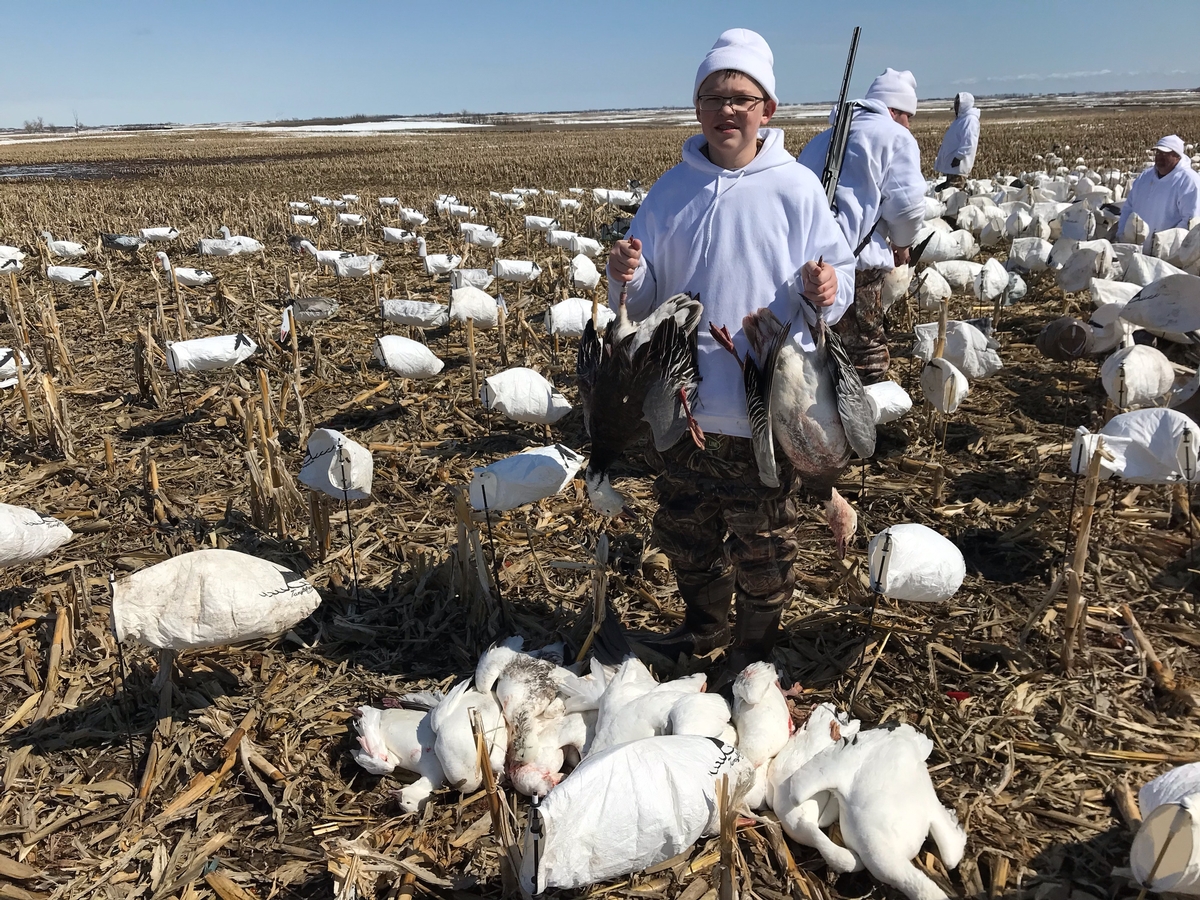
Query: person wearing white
956, 156
1167, 194
879, 204
743, 225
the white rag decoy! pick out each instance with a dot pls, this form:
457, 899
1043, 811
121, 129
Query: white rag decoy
160, 233
185, 276
205, 598
350, 220
943, 385
524, 395
886, 808
75, 275
26, 535
10, 253
406, 357
298, 206
1169, 305
436, 263
970, 350
401, 738
811, 402
763, 722
914, 563
1143, 446
300, 219
389, 202
66, 249
454, 742
1137, 376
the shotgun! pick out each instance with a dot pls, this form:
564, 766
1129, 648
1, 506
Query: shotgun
841, 129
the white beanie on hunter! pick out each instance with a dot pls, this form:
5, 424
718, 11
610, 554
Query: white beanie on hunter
744, 51
896, 89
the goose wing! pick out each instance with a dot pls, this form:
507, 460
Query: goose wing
858, 421
587, 369
669, 363
758, 381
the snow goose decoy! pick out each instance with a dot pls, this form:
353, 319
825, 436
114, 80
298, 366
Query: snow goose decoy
247, 244
436, 263
398, 236
642, 372
185, 276
75, 275
350, 265
325, 258
812, 402
66, 249
125, 243
159, 233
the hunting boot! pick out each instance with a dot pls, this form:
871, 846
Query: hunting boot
705, 622
755, 631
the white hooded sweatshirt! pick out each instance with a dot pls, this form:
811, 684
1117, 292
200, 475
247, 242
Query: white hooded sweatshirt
737, 238
880, 181
1168, 202
962, 137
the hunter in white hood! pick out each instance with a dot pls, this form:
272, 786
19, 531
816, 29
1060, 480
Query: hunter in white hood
880, 206
1167, 194
743, 225
957, 153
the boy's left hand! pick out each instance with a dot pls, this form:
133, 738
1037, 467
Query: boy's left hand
818, 282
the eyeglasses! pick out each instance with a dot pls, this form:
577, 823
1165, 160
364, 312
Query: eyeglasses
738, 103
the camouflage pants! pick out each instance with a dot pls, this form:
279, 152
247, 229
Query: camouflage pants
861, 328
714, 514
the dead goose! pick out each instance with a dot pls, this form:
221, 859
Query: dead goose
642, 372
812, 402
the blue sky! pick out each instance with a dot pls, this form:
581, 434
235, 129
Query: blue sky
112, 61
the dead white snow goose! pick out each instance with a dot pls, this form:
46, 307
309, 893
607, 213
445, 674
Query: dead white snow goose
812, 402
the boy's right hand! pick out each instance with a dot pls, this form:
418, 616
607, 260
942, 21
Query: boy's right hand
623, 260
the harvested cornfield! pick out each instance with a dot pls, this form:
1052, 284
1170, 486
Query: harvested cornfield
225, 772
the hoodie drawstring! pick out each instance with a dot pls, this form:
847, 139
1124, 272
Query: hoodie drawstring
712, 209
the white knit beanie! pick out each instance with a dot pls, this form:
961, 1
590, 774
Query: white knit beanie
896, 89
743, 51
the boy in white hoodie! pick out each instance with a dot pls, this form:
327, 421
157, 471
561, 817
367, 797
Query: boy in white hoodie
743, 225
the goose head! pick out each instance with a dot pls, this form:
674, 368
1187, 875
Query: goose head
605, 498
843, 522
307, 245
46, 237
162, 258
421, 246
225, 233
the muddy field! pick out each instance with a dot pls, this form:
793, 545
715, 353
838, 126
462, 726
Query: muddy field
119, 787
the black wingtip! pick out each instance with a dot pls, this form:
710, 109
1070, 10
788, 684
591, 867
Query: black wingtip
611, 646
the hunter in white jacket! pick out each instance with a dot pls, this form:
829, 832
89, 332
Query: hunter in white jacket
957, 153
1166, 195
880, 206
